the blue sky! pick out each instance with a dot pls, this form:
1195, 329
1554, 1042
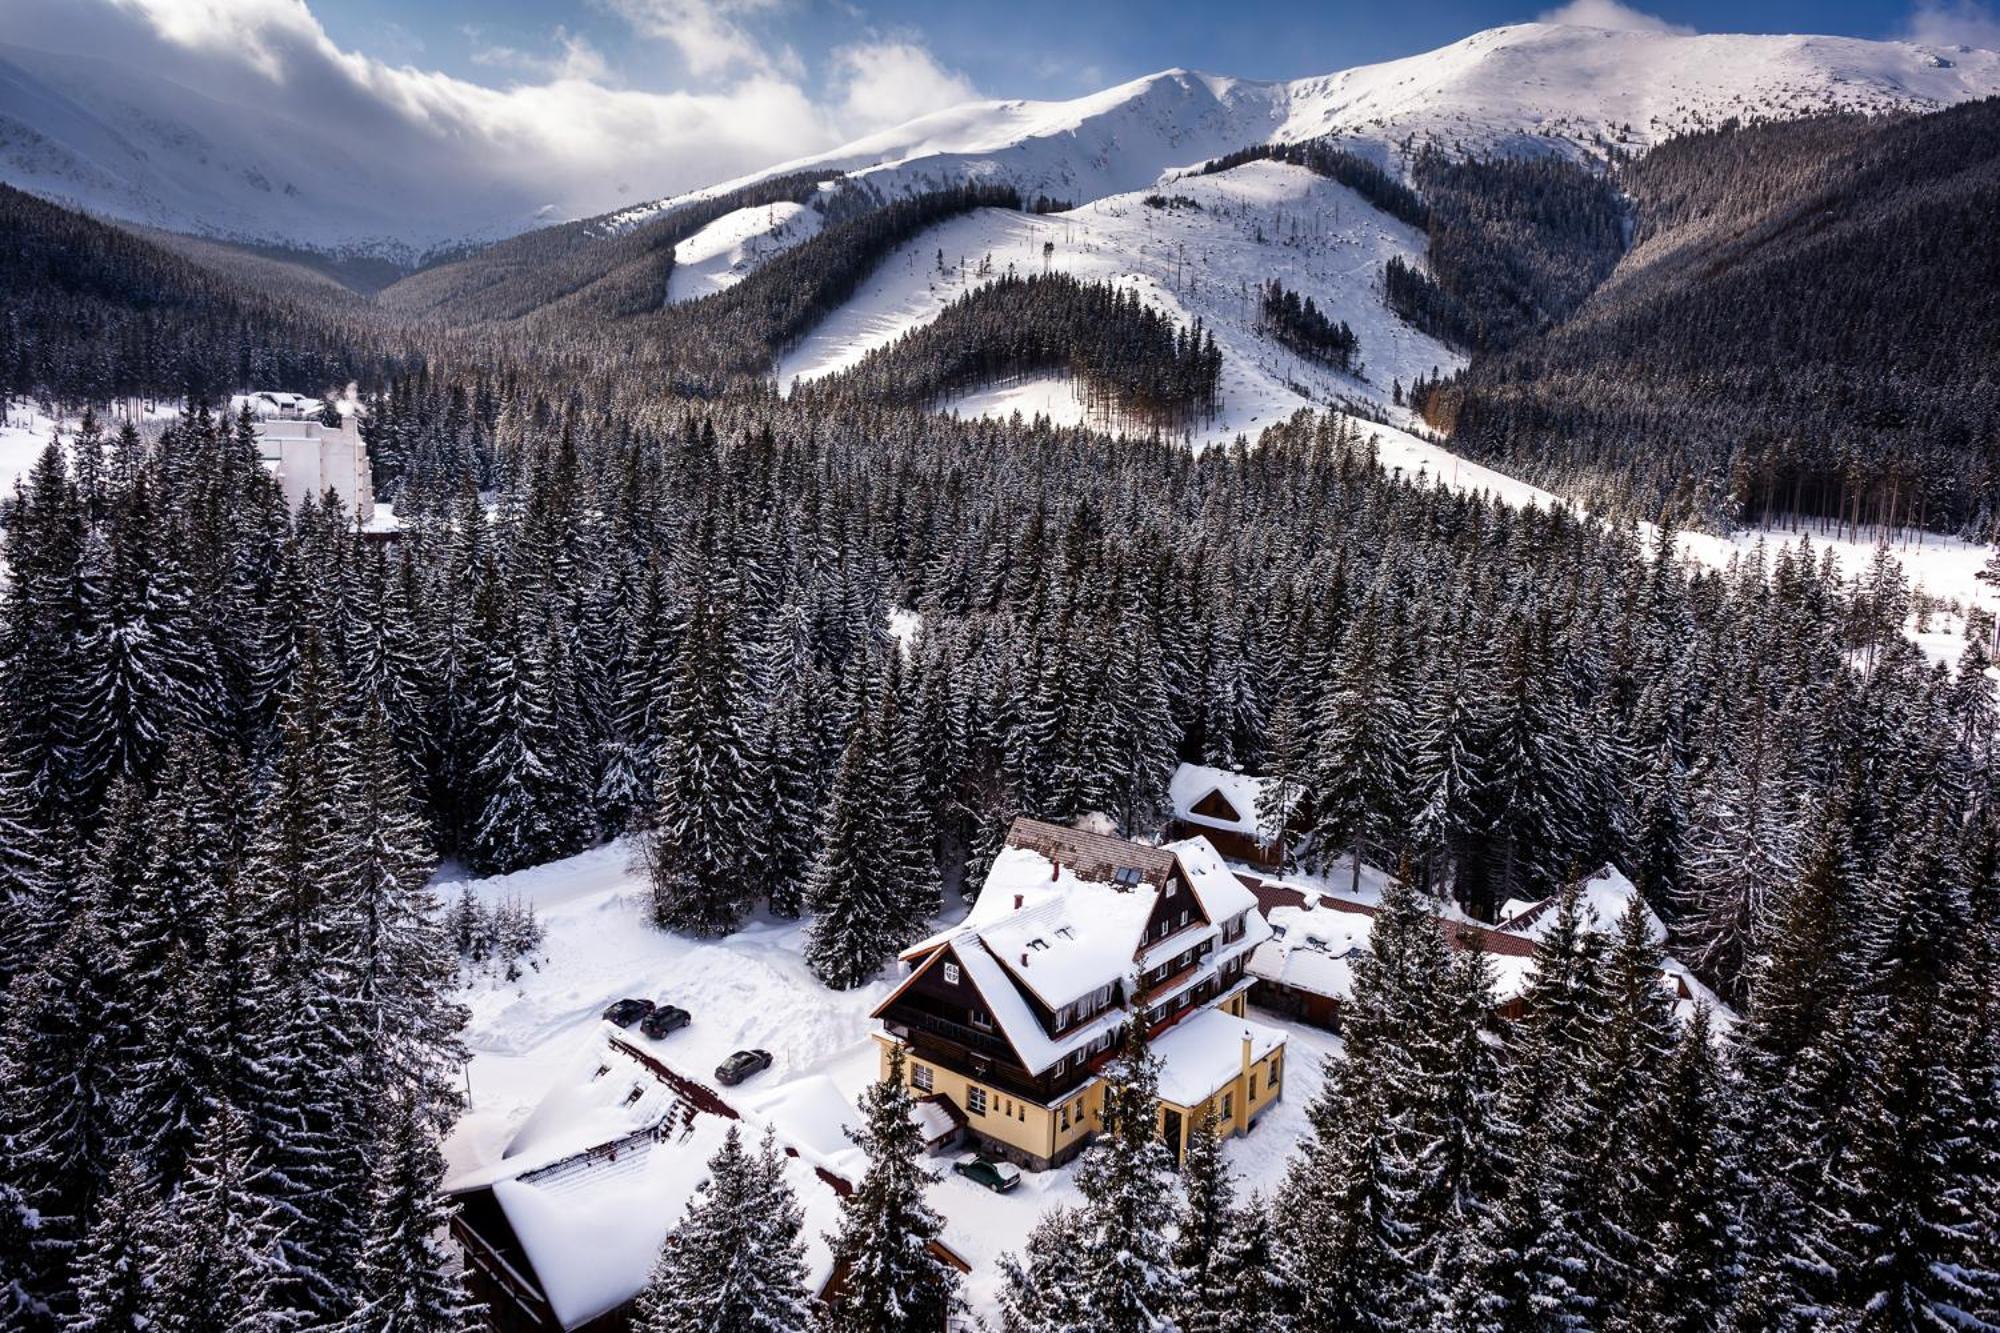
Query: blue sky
1041, 48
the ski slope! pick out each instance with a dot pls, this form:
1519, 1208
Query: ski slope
730, 248
1259, 221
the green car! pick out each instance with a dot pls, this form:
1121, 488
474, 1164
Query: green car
996, 1176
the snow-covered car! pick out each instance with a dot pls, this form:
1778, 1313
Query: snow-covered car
741, 1066
627, 1012
996, 1176
667, 1018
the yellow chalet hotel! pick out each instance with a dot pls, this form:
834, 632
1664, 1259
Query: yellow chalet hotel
1007, 1019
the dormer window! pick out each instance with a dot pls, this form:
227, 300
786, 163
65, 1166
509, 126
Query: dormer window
951, 974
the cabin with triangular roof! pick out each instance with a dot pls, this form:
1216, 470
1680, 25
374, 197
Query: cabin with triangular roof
1221, 805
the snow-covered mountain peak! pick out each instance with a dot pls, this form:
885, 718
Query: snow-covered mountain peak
1523, 87
128, 144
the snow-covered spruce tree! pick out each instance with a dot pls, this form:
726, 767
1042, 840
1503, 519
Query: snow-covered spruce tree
1618, 1113
1454, 1176
1126, 1179
308, 1110
107, 1273
875, 884
39, 613
1898, 1213
1742, 847
1448, 768
1525, 1266
789, 765
1207, 1292
34, 893
215, 1265
895, 1281
735, 1263
405, 968
64, 1053
1686, 1223
1398, 1153
708, 817
523, 811
408, 1280
1357, 775
1536, 793
1045, 1288
1783, 1062
1247, 1268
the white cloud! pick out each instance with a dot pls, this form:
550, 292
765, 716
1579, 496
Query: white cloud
709, 34
1954, 23
574, 58
1610, 14
885, 83
561, 139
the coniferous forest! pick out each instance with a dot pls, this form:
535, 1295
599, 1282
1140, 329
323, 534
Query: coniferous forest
637, 593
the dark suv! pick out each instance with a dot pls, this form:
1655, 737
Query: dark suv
627, 1012
667, 1018
741, 1066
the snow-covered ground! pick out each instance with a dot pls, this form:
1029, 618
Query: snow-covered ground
28, 429
728, 249
1260, 221
751, 989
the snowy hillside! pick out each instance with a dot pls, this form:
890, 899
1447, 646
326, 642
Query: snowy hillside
1506, 89
1203, 259
728, 249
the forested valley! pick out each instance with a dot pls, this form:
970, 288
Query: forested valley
637, 593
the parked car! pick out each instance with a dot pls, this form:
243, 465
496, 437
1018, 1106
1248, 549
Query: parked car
667, 1018
627, 1012
996, 1176
741, 1066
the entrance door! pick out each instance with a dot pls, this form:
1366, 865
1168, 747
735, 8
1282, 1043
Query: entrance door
1170, 1129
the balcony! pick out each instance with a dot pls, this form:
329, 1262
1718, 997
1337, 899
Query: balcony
971, 1038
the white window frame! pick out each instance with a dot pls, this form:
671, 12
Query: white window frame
951, 974
975, 1099
920, 1077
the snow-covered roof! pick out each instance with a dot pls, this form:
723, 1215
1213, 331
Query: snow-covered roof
603, 1168
1024, 1032
1068, 935
1606, 895
593, 1232
1193, 783
1222, 894
1313, 948
605, 1095
1201, 1053
811, 1116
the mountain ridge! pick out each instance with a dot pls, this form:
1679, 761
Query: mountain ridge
135, 147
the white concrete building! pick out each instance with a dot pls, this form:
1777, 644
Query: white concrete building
309, 458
